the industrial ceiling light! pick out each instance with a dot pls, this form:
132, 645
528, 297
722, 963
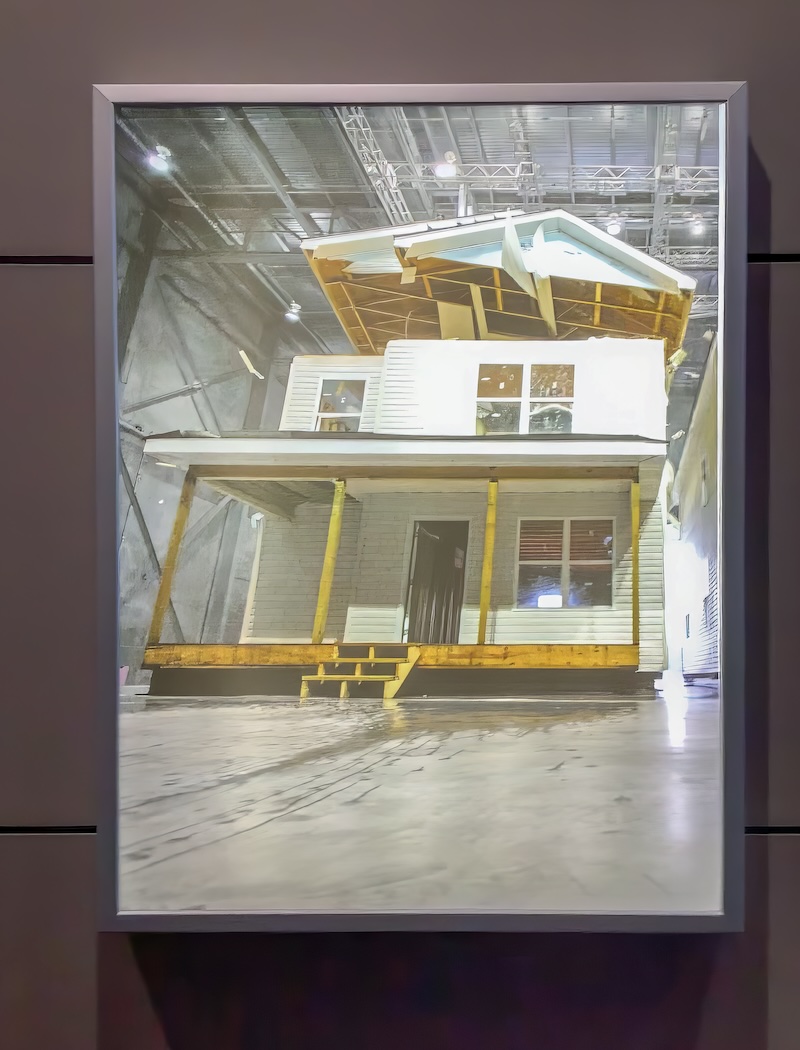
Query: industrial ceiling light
292, 314
614, 226
698, 226
446, 169
159, 159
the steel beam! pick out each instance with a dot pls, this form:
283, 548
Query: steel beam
268, 164
130, 489
134, 283
379, 171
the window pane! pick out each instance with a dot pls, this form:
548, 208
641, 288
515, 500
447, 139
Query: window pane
340, 424
500, 381
589, 585
591, 540
342, 395
540, 540
539, 587
497, 417
548, 417
553, 381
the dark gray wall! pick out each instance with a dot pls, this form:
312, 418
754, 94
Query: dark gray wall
62, 986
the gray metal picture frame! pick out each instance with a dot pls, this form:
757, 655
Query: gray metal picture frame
733, 272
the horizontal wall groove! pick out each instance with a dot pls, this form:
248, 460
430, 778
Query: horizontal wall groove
48, 829
773, 258
774, 829
46, 260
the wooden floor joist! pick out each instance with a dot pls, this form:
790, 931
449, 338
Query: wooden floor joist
537, 656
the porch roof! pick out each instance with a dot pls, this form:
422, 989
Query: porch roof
379, 457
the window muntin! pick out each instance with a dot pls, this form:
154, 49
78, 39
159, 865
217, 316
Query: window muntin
565, 563
525, 399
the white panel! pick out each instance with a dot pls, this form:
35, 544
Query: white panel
431, 387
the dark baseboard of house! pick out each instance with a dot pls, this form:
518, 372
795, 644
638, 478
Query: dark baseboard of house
472, 683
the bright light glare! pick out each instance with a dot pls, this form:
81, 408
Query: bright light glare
698, 227
614, 228
549, 601
157, 162
445, 170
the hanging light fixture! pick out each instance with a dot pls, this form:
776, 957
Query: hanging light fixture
159, 159
447, 168
292, 314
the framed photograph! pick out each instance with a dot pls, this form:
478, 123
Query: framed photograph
421, 506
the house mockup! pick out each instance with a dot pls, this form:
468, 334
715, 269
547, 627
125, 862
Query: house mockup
479, 484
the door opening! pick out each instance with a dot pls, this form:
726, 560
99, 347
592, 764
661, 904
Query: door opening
436, 582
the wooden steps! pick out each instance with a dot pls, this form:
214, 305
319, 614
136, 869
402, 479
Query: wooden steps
349, 677
359, 663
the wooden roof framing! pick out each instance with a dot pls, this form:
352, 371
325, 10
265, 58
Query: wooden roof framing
417, 290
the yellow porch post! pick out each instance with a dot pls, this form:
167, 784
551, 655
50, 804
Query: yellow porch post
329, 564
635, 526
488, 560
171, 560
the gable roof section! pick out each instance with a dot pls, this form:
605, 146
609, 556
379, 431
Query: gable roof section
510, 276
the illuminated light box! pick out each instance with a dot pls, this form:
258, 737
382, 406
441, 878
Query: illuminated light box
420, 520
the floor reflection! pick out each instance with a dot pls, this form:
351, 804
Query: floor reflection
570, 805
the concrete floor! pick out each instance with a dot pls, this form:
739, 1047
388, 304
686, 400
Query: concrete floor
572, 806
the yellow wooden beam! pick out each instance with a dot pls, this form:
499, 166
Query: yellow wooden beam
480, 313
429, 656
329, 563
246, 655
528, 656
635, 526
358, 316
171, 560
598, 299
488, 560
498, 289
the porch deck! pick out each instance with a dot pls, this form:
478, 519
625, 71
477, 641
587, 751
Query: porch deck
517, 657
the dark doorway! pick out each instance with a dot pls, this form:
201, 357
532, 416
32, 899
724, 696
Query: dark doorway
436, 582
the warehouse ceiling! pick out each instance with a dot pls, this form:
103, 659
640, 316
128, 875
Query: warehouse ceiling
242, 187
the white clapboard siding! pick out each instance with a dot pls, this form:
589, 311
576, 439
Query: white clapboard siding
371, 577
305, 383
652, 632
698, 599
289, 570
384, 550
431, 387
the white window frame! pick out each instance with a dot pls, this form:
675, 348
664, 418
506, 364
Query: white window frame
526, 400
318, 416
566, 563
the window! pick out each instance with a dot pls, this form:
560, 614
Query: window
341, 402
525, 399
565, 563
552, 389
499, 399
